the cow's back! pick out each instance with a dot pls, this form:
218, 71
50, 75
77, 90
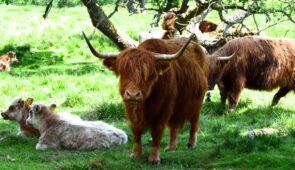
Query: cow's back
264, 62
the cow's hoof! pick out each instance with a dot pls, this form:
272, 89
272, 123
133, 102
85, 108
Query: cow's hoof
167, 149
154, 162
189, 145
134, 155
231, 110
274, 103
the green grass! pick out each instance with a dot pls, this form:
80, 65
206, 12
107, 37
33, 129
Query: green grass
56, 67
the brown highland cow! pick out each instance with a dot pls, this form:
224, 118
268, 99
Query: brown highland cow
162, 82
259, 63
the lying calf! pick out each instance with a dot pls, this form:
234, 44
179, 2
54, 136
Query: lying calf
6, 60
18, 111
59, 132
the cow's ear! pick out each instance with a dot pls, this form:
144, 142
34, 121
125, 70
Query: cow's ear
110, 63
38, 108
29, 101
52, 107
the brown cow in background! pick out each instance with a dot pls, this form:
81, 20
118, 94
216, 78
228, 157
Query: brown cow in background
260, 63
207, 26
162, 82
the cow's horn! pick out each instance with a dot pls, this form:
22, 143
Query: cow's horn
176, 55
226, 58
98, 54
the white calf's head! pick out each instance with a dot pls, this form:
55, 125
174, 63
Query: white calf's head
16, 111
37, 113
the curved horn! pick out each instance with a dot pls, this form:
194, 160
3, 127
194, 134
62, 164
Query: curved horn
176, 55
98, 54
226, 58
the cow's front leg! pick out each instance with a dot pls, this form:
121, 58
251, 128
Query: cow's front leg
281, 93
157, 132
137, 148
233, 100
223, 93
173, 139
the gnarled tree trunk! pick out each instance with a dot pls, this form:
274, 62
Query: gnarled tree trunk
102, 22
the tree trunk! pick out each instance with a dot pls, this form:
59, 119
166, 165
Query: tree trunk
102, 22
183, 18
142, 5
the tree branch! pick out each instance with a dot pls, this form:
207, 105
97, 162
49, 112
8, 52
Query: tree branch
101, 22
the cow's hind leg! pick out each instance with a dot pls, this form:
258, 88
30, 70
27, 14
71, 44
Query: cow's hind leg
194, 121
208, 97
173, 139
281, 93
157, 132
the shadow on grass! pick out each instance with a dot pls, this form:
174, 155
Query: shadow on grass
217, 108
30, 59
232, 140
75, 69
106, 111
12, 140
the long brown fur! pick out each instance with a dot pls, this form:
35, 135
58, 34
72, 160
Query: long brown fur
261, 63
173, 91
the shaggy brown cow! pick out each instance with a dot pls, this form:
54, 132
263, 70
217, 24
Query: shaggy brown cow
6, 60
18, 112
260, 63
161, 83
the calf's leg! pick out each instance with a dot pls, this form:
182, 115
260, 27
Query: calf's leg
281, 93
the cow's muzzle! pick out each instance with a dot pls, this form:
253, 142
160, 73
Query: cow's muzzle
5, 117
132, 97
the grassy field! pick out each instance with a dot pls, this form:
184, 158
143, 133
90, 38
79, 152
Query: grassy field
56, 67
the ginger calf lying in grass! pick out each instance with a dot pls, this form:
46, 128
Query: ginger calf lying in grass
60, 132
18, 112
6, 60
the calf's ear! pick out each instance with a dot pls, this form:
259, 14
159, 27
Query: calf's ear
29, 101
21, 102
52, 107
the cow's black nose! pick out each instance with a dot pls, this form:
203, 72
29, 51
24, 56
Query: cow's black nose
133, 95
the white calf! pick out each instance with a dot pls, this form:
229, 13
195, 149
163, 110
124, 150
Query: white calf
67, 131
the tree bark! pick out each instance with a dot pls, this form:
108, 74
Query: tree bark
102, 22
142, 5
183, 19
